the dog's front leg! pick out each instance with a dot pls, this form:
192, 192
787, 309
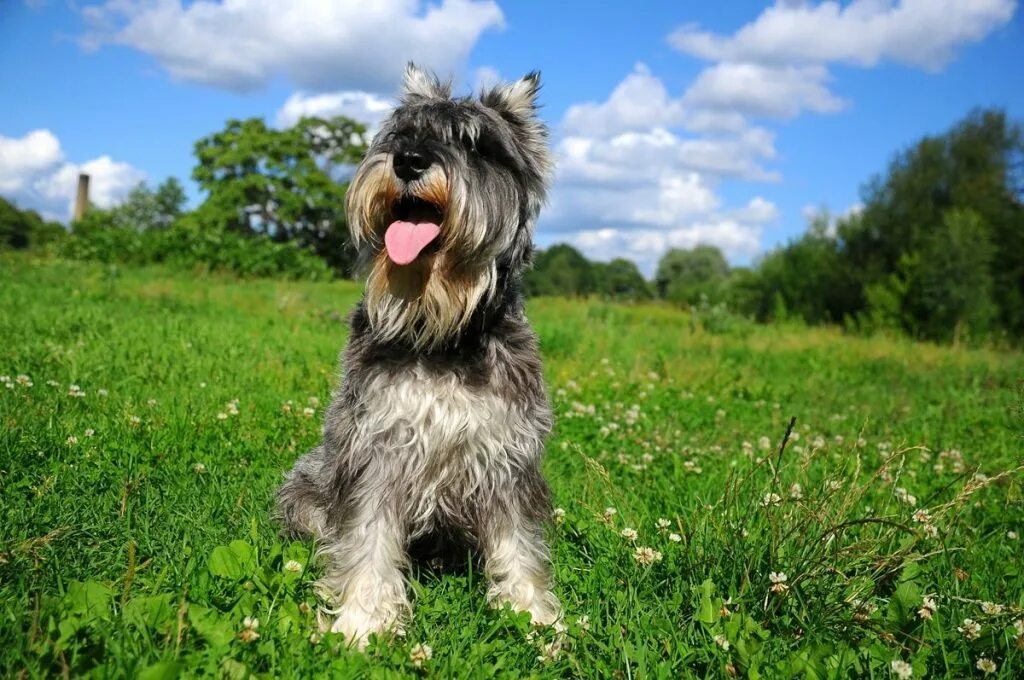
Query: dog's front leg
364, 585
518, 565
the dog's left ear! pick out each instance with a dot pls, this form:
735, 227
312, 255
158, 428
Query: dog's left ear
518, 99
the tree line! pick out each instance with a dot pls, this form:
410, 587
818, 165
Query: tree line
936, 250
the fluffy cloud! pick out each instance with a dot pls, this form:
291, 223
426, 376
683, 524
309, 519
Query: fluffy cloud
34, 174
319, 46
922, 33
639, 102
764, 91
363, 107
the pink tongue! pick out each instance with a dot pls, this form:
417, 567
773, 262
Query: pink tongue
405, 240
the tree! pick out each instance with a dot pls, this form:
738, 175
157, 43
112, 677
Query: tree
560, 270
949, 283
684, 275
282, 183
620, 280
144, 209
20, 229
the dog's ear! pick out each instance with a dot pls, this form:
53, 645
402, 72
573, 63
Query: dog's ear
518, 99
419, 83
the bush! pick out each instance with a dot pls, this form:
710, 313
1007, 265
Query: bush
189, 244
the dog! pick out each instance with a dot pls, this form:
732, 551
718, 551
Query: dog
438, 427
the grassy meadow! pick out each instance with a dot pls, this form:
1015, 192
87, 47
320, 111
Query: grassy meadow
146, 417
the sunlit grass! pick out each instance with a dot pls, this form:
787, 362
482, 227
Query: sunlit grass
134, 509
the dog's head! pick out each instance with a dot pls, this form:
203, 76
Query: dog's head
442, 208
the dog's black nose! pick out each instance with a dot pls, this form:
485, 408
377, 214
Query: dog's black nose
410, 165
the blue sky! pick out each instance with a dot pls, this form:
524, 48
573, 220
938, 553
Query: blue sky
673, 122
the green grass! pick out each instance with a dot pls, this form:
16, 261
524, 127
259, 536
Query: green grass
139, 548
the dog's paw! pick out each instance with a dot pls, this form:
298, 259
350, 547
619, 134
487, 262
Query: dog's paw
357, 624
541, 604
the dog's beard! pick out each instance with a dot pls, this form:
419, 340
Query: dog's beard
430, 300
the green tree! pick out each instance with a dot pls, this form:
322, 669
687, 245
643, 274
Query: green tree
560, 270
620, 280
282, 183
683, 276
144, 209
949, 283
20, 229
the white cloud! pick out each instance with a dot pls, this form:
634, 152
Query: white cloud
21, 158
34, 174
317, 45
362, 107
766, 91
921, 33
485, 77
639, 102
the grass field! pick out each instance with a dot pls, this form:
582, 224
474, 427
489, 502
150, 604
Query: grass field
147, 417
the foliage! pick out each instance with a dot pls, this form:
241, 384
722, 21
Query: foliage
136, 534
282, 183
190, 244
560, 270
684, 276
619, 280
21, 229
145, 209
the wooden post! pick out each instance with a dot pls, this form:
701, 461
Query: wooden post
82, 198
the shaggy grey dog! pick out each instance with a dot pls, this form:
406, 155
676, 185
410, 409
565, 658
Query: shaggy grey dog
438, 426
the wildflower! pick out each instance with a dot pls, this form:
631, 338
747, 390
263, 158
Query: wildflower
232, 407
609, 512
72, 440
863, 609
922, 516
928, 607
89, 432
986, 665
51, 383
675, 538
151, 403
904, 496
1018, 626
315, 638
583, 622
839, 440
818, 443
722, 642
75, 391
796, 492
222, 416
1012, 535
861, 442
199, 468
249, 633
134, 420
778, 579
293, 566
102, 392
901, 669
24, 381
764, 443
549, 651
420, 653
6, 379
629, 533
558, 515
833, 485
286, 407
970, 629
308, 412
646, 556
991, 608
662, 524
931, 531
314, 401
691, 466
770, 499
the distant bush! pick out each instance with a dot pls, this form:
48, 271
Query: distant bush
22, 229
190, 245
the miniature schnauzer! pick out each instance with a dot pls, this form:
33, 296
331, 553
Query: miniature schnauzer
438, 426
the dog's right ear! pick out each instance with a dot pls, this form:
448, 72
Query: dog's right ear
420, 83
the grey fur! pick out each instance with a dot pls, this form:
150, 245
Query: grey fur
439, 423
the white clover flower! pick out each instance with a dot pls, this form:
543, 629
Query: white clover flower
764, 443
662, 524
222, 416
313, 401
722, 642
986, 666
922, 516
134, 420
309, 412
609, 512
89, 432
901, 669
646, 556
294, 566
928, 607
796, 492
151, 403
629, 533
931, 531
102, 392
72, 440
771, 499
199, 468
1018, 626
779, 581
1012, 535
249, 633
583, 622
420, 653
675, 538
970, 629
251, 622
991, 608
558, 515
24, 380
